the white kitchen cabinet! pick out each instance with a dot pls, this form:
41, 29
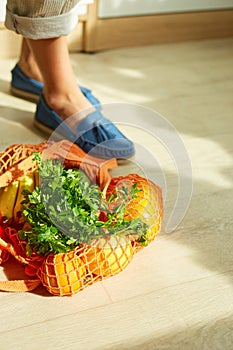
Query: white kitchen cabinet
121, 8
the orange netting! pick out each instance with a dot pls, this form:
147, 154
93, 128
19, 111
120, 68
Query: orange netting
68, 273
148, 204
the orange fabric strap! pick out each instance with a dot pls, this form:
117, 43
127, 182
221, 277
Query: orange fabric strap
97, 169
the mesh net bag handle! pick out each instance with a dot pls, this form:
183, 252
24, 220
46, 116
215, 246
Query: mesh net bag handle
14, 154
16, 162
19, 285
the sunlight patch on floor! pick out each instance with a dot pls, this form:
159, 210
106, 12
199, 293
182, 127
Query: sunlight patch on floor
131, 73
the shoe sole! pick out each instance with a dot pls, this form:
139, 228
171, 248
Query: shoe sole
48, 131
24, 94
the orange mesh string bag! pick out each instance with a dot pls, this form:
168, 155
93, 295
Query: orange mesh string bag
4, 255
107, 256
62, 274
148, 204
65, 274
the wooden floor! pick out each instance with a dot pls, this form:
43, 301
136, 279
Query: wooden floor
176, 294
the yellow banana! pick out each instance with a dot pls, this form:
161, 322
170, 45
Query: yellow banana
26, 183
37, 178
8, 197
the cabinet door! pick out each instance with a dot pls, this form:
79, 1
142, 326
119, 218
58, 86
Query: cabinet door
121, 8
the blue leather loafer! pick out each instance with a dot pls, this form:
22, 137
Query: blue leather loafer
30, 89
95, 134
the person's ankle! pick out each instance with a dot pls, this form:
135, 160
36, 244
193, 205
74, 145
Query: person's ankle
30, 70
67, 105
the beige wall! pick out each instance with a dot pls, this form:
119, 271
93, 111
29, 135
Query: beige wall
11, 42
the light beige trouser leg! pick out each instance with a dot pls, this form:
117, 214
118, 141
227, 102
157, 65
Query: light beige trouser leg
41, 19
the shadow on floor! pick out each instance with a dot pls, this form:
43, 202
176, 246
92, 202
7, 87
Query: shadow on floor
17, 125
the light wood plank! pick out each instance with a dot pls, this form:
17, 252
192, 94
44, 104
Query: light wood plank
178, 292
150, 319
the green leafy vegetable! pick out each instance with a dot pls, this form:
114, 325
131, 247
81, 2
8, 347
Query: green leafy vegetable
67, 210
